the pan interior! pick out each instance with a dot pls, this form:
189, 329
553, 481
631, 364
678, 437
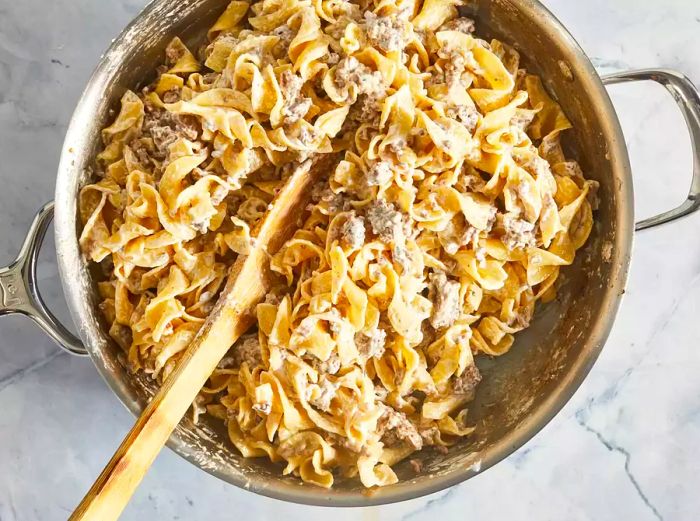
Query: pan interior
521, 390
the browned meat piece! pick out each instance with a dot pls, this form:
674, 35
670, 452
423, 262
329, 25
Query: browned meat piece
140, 150
324, 398
386, 221
467, 382
333, 202
371, 344
295, 105
430, 435
465, 114
285, 35
248, 351
385, 32
329, 366
171, 96
366, 109
519, 233
350, 71
395, 428
173, 53
446, 302
165, 128
352, 232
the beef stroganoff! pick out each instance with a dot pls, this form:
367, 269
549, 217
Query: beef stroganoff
448, 214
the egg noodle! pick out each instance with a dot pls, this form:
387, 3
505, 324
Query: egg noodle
448, 216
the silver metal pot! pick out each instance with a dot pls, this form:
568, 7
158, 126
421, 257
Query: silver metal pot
521, 391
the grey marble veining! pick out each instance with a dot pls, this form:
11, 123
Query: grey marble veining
625, 447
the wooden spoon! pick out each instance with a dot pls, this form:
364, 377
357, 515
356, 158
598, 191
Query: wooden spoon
246, 285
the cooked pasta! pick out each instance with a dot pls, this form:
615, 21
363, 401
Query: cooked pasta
448, 216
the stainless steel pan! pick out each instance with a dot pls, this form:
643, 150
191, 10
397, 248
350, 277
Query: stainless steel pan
521, 391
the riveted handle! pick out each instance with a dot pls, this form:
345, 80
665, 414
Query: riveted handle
19, 291
688, 99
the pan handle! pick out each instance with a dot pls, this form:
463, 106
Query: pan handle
688, 99
19, 292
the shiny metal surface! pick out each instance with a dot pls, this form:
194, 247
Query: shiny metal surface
522, 390
688, 99
19, 292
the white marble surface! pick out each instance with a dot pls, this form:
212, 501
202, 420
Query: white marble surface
625, 447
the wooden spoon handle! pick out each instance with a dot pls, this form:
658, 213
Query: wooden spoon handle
246, 285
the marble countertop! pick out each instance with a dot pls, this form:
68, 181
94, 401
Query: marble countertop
625, 447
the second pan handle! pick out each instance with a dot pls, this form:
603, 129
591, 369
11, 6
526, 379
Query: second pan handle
19, 292
688, 99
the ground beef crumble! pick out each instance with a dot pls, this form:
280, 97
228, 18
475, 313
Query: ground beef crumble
350, 72
171, 96
519, 233
285, 35
328, 366
467, 382
385, 32
325, 395
395, 428
370, 344
295, 105
465, 114
386, 221
333, 202
366, 109
455, 62
430, 435
174, 52
453, 67
352, 232
445, 297
248, 351
165, 128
